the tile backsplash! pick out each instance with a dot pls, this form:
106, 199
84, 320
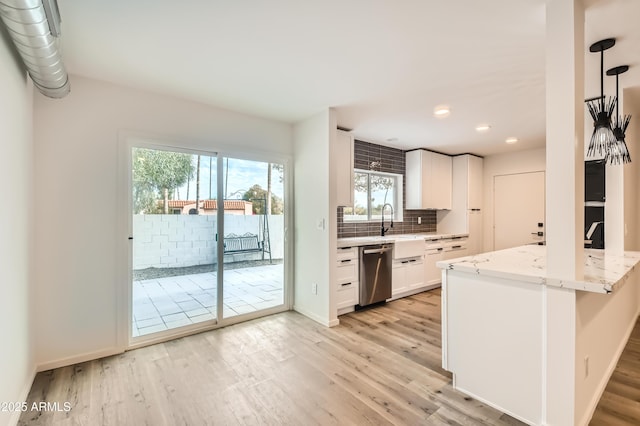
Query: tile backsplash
370, 156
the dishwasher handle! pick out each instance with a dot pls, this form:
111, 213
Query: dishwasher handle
374, 251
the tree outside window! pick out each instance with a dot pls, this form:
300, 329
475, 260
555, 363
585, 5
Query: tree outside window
372, 190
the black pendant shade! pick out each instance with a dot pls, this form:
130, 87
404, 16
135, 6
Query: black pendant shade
619, 153
601, 109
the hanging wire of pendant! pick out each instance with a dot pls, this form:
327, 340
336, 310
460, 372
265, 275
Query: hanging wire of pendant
619, 153
601, 109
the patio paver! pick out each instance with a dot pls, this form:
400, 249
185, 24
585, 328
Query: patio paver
163, 303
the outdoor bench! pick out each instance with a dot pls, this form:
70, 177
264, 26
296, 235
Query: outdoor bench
247, 243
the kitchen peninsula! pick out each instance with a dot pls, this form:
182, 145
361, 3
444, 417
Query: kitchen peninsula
505, 323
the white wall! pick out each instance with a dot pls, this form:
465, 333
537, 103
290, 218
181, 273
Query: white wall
312, 215
503, 164
16, 169
603, 326
79, 248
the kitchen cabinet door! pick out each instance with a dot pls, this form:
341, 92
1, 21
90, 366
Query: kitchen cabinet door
475, 232
475, 182
442, 181
415, 273
399, 282
432, 274
428, 180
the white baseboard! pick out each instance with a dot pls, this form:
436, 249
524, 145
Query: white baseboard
24, 394
89, 356
316, 318
497, 407
346, 310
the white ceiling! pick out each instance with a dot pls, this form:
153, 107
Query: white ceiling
382, 64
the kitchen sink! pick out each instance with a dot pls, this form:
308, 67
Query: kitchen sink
408, 246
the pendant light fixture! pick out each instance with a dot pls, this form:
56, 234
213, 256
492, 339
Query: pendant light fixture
619, 152
601, 109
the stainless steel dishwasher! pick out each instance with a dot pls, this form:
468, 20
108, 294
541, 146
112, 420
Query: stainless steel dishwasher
375, 273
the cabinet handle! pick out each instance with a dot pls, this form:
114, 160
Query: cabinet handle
405, 261
345, 260
440, 248
345, 248
412, 260
456, 247
344, 284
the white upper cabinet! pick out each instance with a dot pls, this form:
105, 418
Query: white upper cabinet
467, 182
343, 161
428, 177
465, 215
474, 196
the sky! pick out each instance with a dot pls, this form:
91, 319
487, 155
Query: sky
242, 174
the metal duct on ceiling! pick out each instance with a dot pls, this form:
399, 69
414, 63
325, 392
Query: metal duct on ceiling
34, 26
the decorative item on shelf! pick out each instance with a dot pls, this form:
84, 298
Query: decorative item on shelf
619, 152
601, 109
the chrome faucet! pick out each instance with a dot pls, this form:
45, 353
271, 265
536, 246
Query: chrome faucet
382, 229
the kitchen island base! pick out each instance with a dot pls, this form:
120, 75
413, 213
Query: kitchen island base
540, 353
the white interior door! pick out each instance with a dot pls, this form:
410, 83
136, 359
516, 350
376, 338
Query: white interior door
519, 207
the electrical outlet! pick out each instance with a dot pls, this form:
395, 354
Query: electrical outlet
419, 220
314, 288
586, 367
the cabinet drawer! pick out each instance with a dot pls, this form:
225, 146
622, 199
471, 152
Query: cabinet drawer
347, 295
347, 272
453, 242
346, 253
432, 244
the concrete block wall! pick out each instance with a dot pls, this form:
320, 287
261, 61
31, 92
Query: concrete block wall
170, 241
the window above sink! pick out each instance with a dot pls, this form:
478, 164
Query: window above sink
371, 191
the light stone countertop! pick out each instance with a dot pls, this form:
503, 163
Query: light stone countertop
363, 241
603, 273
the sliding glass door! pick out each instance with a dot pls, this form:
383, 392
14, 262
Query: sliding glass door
200, 259
174, 264
253, 236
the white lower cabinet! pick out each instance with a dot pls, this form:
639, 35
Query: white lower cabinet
347, 284
415, 273
433, 274
456, 247
409, 275
406, 275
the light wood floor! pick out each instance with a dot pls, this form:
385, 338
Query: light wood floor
379, 367
620, 402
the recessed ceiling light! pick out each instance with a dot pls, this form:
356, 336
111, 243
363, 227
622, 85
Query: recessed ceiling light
392, 140
511, 140
482, 128
441, 111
